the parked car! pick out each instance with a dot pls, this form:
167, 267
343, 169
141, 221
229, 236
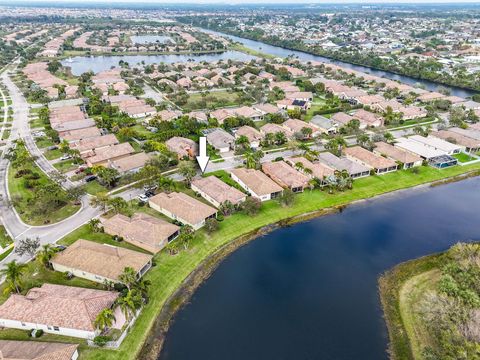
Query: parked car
80, 169
53, 147
66, 157
143, 198
149, 193
90, 178
60, 247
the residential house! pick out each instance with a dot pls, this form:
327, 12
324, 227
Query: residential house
296, 126
100, 262
313, 170
142, 230
435, 157
271, 128
355, 170
253, 135
405, 158
286, 176
37, 350
216, 192
367, 119
130, 164
221, 140
89, 145
471, 145
59, 309
183, 147
437, 143
256, 183
107, 154
325, 125
378, 163
183, 208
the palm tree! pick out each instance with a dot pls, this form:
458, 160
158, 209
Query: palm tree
128, 277
104, 319
46, 254
166, 184
129, 303
13, 273
94, 224
143, 286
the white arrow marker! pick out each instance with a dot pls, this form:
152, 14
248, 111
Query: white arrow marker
202, 159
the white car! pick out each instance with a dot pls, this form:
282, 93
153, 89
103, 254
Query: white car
143, 198
66, 157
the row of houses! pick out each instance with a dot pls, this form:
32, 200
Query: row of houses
39, 74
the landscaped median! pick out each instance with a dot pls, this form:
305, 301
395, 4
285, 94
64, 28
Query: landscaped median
35, 197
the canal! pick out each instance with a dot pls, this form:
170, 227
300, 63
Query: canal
310, 291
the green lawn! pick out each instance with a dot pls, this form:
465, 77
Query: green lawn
172, 270
94, 187
225, 177
66, 166
53, 154
6, 134
36, 123
22, 196
5, 239
43, 142
463, 157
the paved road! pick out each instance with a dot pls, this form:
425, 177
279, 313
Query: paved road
15, 227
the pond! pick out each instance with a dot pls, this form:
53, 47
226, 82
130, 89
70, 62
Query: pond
310, 291
81, 64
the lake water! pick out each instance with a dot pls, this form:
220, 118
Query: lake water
310, 291
281, 52
81, 64
149, 39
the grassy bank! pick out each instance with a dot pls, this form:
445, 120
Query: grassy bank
415, 275
247, 50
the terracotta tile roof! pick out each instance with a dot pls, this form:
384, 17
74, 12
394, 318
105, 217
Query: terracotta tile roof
257, 181
182, 146
251, 133
218, 190
458, 138
319, 170
183, 206
58, 305
131, 162
80, 134
111, 152
285, 175
36, 350
145, 229
396, 153
100, 259
369, 158
271, 128
95, 142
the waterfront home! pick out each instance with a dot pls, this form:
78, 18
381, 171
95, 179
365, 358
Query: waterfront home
378, 163
130, 164
407, 159
471, 132
435, 157
183, 208
221, 140
430, 96
437, 143
90, 144
285, 175
58, 309
183, 147
295, 126
142, 230
325, 125
355, 170
37, 350
253, 135
99, 262
471, 145
256, 183
216, 192
368, 100
315, 170
109, 153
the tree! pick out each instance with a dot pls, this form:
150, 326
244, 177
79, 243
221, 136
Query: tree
46, 254
13, 273
211, 225
100, 200
128, 277
227, 208
252, 158
94, 225
186, 235
108, 176
27, 246
129, 303
251, 206
104, 319
118, 204
287, 198
336, 145
187, 170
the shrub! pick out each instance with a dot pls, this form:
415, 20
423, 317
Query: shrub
101, 340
